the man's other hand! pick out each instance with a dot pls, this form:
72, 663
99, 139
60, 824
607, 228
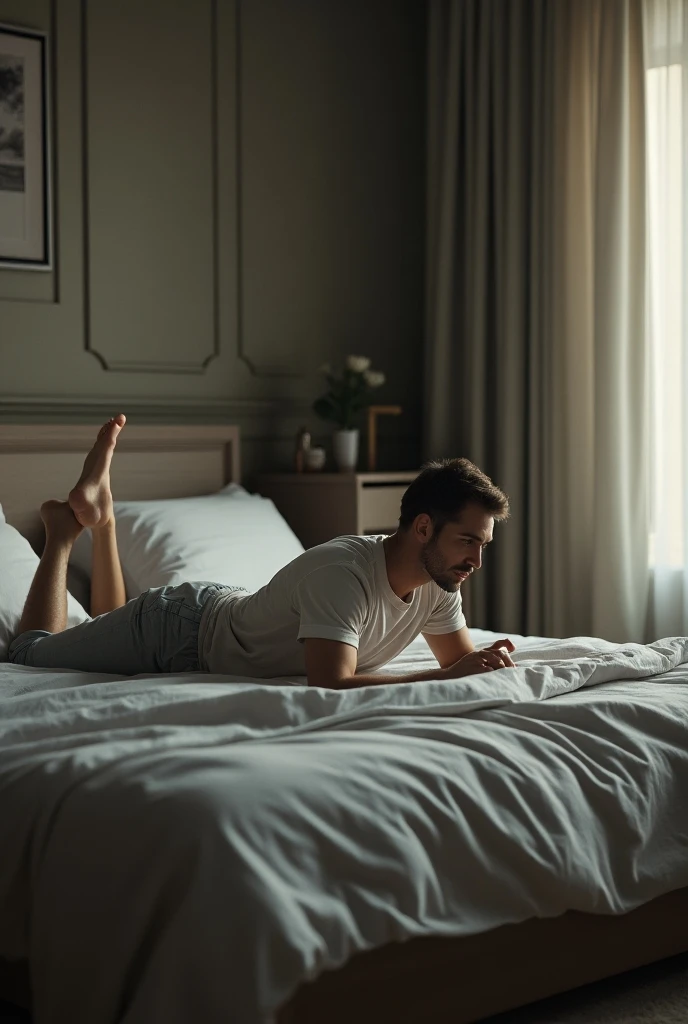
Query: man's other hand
486, 660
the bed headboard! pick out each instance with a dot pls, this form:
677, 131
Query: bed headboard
39, 461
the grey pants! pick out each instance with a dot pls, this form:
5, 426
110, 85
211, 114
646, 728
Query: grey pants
155, 632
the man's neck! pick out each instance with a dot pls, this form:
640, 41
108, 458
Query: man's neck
403, 575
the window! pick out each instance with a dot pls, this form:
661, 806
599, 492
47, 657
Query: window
666, 84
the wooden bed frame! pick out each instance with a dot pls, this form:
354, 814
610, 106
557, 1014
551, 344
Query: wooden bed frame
421, 981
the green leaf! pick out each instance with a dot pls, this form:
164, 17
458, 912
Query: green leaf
324, 408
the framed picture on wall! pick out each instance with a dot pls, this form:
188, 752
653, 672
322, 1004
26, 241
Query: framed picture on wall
25, 200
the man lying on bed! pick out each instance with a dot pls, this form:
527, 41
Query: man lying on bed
334, 614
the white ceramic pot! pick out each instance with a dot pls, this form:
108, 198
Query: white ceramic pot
315, 459
345, 448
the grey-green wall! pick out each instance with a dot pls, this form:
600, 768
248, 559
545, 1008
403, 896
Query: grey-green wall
238, 197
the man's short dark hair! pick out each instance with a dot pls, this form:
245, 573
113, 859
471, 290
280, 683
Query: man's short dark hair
445, 487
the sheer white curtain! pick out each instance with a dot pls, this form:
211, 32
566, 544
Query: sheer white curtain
666, 48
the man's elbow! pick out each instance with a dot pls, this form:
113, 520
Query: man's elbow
332, 682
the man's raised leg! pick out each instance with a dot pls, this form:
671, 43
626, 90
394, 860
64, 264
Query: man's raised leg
46, 604
45, 611
91, 502
107, 583
155, 632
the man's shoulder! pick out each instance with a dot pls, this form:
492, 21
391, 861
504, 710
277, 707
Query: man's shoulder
346, 553
352, 545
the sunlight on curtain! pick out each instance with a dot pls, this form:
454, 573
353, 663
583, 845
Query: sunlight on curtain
667, 106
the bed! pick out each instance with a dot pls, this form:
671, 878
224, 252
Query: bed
137, 885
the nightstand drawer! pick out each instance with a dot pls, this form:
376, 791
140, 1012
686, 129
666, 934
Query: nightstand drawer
378, 508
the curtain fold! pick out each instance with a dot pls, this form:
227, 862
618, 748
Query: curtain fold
535, 348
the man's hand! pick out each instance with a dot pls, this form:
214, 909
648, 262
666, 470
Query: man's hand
485, 660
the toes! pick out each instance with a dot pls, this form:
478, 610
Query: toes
119, 420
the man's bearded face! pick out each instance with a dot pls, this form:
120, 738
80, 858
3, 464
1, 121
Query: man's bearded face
441, 567
456, 549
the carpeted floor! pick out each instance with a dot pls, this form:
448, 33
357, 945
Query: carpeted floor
657, 994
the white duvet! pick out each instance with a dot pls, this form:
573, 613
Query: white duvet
189, 848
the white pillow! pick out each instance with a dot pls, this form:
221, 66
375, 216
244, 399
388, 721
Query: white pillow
230, 537
18, 563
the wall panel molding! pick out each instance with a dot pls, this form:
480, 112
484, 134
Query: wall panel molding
100, 340
151, 407
239, 197
278, 368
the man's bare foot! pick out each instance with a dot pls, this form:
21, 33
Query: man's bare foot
60, 522
91, 499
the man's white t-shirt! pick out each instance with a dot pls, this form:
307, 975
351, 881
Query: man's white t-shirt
336, 591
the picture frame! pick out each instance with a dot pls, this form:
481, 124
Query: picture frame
25, 185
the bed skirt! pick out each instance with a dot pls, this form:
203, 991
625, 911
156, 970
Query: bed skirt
434, 980
462, 980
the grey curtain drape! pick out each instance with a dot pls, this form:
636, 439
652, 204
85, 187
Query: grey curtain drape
535, 357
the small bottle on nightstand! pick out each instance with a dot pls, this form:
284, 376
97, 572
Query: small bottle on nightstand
303, 443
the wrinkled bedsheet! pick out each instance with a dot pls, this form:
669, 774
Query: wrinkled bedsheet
194, 847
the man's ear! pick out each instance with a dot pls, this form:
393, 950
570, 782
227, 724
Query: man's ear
422, 527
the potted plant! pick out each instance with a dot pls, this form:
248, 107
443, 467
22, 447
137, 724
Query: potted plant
348, 392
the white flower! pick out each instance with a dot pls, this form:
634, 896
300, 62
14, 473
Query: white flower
374, 379
359, 364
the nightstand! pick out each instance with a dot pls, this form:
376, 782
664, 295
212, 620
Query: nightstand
320, 506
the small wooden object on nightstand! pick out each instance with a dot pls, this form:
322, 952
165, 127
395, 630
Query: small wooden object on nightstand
320, 506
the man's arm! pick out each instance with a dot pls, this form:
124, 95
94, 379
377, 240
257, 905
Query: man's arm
332, 664
450, 647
